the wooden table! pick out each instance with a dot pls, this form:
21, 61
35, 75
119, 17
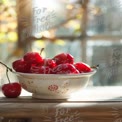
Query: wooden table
93, 104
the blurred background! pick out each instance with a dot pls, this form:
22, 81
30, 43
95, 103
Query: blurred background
90, 30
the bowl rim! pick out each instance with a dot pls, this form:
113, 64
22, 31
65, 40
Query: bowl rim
57, 75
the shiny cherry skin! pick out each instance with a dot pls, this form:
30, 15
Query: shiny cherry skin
11, 90
49, 62
33, 58
21, 66
63, 58
41, 70
65, 69
82, 67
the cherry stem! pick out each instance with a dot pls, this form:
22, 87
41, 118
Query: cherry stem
6, 67
41, 51
7, 75
95, 67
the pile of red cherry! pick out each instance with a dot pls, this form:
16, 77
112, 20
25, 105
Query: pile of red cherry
33, 62
63, 63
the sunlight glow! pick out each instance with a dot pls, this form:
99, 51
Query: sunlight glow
48, 3
89, 94
69, 6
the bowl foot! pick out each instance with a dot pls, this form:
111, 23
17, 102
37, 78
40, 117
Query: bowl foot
40, 96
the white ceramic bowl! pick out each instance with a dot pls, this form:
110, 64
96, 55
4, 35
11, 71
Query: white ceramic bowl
53, 86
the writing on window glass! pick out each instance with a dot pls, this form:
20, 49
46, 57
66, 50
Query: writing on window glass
117, 56
42, 19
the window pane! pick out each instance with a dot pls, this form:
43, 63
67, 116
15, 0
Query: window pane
109, 57
104, 17
61, 17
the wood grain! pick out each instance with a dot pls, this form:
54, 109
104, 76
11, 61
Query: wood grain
101, 109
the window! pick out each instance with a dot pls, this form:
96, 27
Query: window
88, 29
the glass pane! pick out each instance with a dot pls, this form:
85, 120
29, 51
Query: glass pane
62, 18
104, 17
109, 57
8, 28
8, 36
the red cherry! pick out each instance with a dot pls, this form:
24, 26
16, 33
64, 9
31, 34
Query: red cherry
11, 90
21, 66
65, 69
82, 67
41, 70
63, 58
33, 58
49, 62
